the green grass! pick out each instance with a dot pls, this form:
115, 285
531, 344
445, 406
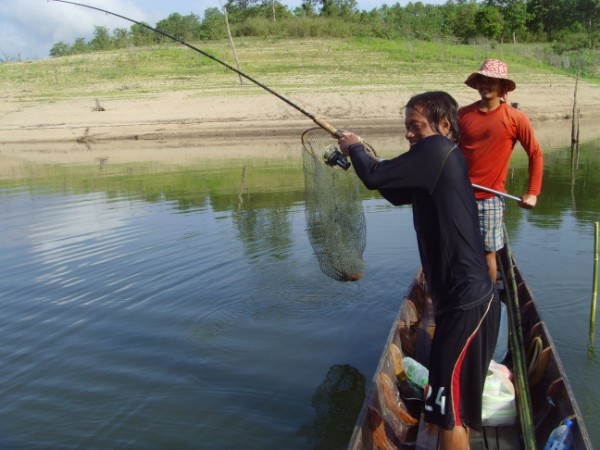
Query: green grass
301, 64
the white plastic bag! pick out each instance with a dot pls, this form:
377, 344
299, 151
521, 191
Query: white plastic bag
498, 403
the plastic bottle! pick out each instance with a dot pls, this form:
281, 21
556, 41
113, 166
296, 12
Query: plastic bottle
561, 436
416, 372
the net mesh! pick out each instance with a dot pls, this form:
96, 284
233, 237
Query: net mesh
335, 219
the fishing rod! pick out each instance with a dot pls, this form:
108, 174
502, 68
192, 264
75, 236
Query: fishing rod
321, 123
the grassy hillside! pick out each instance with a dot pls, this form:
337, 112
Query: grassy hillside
302, 64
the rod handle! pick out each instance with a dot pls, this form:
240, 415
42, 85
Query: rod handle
327, 127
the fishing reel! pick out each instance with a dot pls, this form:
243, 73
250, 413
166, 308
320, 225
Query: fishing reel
334, 157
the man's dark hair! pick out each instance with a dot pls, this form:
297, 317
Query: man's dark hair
436, 106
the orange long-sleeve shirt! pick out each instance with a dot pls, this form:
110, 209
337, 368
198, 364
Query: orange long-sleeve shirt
487, 140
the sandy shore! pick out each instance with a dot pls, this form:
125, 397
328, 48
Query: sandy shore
177, 127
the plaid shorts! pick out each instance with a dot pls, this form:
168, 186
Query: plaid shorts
491, 214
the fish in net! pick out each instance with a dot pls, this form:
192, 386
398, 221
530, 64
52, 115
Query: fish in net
336, 224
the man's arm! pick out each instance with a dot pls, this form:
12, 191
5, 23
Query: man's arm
528, 140
396, 196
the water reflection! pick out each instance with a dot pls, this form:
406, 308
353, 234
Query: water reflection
565, 193
264, 230
269, 187
337, 402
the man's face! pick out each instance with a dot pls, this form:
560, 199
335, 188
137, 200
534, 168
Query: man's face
489, 88
417, 125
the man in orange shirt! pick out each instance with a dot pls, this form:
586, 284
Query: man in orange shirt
489, 130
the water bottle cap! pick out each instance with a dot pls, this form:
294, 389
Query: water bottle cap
568, 422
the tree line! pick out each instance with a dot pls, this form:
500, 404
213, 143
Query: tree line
568, 24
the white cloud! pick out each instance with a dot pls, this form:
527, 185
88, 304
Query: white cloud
30, 28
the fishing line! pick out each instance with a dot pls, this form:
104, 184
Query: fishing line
327, 127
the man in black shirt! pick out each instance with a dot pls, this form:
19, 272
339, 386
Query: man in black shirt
432, 177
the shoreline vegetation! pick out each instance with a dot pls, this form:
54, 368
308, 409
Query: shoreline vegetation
167, 103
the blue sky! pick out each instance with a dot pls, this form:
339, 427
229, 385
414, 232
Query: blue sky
29, 28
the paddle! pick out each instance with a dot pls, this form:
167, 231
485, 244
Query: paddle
493, 191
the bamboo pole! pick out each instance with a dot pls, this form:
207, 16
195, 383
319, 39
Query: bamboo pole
517, 346
594, 288
232, 45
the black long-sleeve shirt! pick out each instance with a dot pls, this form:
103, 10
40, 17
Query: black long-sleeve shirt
432, 176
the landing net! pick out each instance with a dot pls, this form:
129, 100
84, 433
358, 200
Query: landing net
335, 219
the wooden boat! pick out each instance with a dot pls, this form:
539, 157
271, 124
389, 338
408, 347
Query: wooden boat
391, 418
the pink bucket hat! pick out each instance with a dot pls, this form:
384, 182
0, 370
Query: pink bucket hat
493, 68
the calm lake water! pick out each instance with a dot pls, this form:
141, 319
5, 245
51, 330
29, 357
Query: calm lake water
147, 307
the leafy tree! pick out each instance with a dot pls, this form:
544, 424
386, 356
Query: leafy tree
142, 36
101, 40
489, 22
576, 23
589, 13
271, 9
79, 46
240, 4
239, 10
186, 28
59, 49
460, 19
394, 20
549, 16
589, 17
424, 21
213, 26
306, 9
120, 38
338, 8
514, 13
